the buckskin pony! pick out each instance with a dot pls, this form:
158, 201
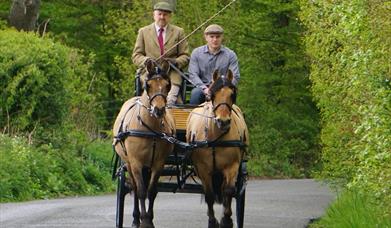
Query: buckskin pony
219, 125
137, 130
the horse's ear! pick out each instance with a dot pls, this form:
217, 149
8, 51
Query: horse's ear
150, 65
165, 66
216, 75
230, 75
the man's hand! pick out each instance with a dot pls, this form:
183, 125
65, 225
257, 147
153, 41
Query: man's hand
205, 90
171, 60
148, 61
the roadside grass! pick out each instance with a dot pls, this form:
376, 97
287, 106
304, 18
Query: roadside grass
353, 209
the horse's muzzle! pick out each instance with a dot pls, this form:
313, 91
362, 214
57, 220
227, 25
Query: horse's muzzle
223, 124
158, 112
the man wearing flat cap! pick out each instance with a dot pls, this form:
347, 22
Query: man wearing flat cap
156, 39
206, 59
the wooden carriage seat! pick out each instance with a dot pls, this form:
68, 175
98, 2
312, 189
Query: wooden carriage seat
180, 114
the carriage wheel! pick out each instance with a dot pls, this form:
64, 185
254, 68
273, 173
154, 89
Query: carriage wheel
240, 203
121, 192
241, 195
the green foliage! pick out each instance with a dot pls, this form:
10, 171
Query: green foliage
42, 83
33, 75
4, 11
47, 91
350, 46
31, 172
354, 209
274, 88
3, 24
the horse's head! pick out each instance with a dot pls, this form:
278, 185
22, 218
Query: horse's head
157, 85
223, 96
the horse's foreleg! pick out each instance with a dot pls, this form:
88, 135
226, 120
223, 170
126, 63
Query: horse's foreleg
206, 178
141, 191
212, 222
226, 220
136, 212
152, 193
146, 221
136, 208
228, 194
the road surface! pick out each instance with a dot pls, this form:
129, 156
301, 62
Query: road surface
269, 204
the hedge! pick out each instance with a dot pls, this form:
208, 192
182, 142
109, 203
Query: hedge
350, 48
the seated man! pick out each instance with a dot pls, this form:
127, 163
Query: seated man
154, 40
206, 59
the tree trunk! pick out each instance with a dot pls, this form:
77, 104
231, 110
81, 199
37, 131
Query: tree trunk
24, 14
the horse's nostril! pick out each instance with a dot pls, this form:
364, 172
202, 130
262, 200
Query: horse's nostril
225, 122
160, 111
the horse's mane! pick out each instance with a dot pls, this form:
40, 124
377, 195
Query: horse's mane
220, 83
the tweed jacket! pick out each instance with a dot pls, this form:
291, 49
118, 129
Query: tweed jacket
147, 45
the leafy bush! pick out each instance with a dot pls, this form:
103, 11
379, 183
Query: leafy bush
48, 93
33, 76
350, 46
29, 172
42, 83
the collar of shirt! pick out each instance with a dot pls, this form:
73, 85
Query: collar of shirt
206, 50
157, 28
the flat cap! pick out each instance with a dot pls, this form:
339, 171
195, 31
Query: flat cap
214, 29
163, 6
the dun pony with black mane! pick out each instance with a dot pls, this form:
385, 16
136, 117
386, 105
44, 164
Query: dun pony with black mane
220, 123
138, 127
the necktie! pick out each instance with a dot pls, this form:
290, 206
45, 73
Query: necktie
160, 39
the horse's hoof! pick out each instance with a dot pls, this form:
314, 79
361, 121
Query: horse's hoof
226, 223
213, 223
147, 225
136, 225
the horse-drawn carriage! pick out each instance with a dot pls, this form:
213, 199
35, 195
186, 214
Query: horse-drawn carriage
157, 154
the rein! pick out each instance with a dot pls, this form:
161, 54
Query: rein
223, 103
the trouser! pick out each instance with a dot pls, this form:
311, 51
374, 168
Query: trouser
197, 96
176, 82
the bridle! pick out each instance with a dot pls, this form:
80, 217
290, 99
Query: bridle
157, 75
222, 82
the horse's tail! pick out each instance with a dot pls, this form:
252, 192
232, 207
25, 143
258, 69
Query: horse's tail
217, 182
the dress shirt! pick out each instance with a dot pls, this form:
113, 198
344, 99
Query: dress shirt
157, 27
203, 64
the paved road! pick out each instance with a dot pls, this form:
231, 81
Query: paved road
269, 204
